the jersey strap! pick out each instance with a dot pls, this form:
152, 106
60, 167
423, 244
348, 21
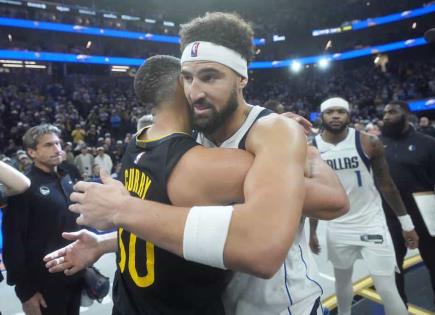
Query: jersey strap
360, 150
263, 113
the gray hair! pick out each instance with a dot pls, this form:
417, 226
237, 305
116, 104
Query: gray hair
30, 138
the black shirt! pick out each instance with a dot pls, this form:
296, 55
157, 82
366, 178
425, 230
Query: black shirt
411, 159
32, 227
150, 280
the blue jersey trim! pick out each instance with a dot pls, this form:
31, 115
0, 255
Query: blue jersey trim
361, 152
306, 271
287, 289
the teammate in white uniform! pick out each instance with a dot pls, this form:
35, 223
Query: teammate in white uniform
294, 289
359, 162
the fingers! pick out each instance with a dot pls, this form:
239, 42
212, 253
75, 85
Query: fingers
82, 186
81, 220
77, 197
105, 177
72, 236
304, 122
54, 255
76, 208
60, 267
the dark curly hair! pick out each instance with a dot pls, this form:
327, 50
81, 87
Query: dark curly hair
156, 79
225, 29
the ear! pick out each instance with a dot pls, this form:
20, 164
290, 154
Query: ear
31, 153
243, 82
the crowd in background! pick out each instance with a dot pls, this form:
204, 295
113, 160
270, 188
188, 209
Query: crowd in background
98, 115
281, 20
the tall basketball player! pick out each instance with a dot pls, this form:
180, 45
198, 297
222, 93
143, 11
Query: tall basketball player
358, 160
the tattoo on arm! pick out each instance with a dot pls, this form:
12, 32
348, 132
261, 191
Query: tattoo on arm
381, 174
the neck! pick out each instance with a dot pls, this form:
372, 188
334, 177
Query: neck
169, 119
46, 168
334, 138
233, 123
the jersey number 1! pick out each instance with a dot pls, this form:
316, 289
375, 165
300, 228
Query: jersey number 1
358, 178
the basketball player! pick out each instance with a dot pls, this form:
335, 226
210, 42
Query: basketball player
358, 160
214, 76
129, 295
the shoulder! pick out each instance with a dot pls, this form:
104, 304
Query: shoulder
275, 133
275, 124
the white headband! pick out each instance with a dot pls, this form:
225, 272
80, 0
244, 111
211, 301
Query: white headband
206, 51
334, 102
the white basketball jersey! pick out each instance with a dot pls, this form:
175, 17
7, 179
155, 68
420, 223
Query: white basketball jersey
353, 168
295, 286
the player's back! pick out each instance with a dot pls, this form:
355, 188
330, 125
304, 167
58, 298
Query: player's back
150, 280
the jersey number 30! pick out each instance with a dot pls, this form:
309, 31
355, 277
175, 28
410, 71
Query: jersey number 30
140, 281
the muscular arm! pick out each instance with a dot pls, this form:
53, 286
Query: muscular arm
274, 195
274, 192
325, 197
13, 180
209, 177
375, 150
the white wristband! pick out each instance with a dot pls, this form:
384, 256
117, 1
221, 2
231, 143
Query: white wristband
406, 222
205, 233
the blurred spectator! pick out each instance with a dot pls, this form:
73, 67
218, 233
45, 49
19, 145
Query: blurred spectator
78, 134
69, 156
84, 162
103, 160
274, 106
24, 162
426, 127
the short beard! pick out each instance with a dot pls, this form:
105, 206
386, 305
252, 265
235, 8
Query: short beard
217, 119
394, 130
335, 130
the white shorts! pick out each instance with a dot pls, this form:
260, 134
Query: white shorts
380, 258
309, 306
